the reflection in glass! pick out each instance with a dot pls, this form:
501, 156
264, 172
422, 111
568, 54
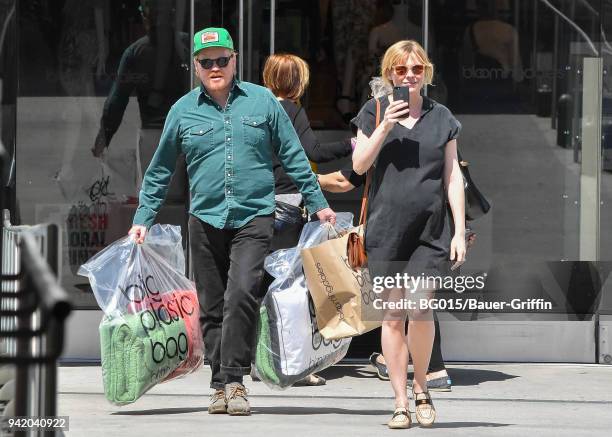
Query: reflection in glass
8, 94
103, 79
511, 71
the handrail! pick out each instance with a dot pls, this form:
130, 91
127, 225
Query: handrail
54, 300
33, 313
6, 224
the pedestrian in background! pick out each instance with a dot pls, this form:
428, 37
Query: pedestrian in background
287, 76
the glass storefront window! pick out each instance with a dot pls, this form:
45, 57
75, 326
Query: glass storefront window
514, 72
606, 185
8, 97
95, 78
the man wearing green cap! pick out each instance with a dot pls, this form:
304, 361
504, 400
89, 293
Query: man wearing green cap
228, 131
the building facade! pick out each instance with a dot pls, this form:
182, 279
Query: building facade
530, 81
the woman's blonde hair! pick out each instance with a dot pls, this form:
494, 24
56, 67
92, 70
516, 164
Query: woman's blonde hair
398, 53
286, 75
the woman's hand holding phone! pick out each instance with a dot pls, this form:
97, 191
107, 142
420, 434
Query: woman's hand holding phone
396, 111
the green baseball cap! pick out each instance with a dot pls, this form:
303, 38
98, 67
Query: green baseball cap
212, 37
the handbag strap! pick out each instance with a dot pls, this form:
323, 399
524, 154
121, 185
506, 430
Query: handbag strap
366, 189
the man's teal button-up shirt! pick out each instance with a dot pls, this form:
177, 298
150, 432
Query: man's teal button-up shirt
229, 157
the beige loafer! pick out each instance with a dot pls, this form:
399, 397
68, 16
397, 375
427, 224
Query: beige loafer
424, 409
400, 419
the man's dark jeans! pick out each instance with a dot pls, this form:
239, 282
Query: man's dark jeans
228, 269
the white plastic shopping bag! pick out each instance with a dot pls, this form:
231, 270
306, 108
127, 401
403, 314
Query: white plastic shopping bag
151, 331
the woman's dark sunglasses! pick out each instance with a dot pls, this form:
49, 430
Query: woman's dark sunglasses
402, 70
222, 62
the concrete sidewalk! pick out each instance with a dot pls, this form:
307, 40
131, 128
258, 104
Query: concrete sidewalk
487, 400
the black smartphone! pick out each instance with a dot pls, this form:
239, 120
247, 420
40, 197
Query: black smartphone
400, 93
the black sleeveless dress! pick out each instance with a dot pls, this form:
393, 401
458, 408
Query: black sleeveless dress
409, 225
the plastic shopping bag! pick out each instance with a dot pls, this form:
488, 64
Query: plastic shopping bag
289, 345
150, 332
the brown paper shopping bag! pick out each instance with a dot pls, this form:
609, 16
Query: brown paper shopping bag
343, 297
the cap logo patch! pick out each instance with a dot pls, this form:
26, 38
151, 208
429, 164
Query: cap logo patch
210, 37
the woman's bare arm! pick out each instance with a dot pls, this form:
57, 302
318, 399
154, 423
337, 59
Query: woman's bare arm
335, 182
453, 182
367, 149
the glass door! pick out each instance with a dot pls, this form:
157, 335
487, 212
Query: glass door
219, 13
526, 79
342, 41
90, 108
529, 82
605, 308
251, 25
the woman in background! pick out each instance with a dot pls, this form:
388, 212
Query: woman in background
287, 76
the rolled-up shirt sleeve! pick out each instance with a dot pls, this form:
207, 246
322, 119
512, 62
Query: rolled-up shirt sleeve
355, 179
454, 127
292, 157
158, 175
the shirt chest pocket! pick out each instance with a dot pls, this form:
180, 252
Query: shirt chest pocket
255, 130
200, 138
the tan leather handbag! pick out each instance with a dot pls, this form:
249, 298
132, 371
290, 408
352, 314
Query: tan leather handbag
355, 249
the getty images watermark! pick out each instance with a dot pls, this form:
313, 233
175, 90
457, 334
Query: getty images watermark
422, 282
417, 285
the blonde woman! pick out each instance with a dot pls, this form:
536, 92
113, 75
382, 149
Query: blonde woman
409, 229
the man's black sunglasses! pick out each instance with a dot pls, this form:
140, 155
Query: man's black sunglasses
222, 62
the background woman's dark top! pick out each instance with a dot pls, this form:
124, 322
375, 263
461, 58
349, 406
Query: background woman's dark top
315, 151
409, 225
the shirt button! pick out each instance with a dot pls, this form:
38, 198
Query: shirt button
229, 138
